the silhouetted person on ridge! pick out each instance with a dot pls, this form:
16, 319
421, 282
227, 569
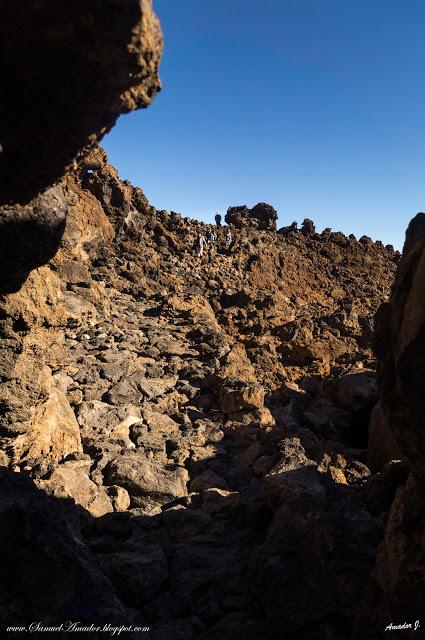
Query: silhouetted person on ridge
218, 220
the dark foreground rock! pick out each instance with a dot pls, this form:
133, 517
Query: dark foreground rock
396, 586
69, 70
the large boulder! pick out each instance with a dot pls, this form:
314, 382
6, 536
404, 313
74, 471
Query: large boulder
266, 216
71, 481
237, 216
69, 70
146, 480
52, 435
308, 228
262, 216
356, 391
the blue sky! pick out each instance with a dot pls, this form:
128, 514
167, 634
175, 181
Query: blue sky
315, 106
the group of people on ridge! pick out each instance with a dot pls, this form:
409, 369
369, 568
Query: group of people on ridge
202, 241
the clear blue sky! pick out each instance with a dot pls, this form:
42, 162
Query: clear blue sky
315, 106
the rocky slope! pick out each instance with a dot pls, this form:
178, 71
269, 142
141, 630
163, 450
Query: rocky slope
190, 444
196, 427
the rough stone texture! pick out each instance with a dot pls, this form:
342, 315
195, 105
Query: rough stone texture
396, 586
400, 337
321, 530
68, 70
142, 477
356, 391
262, 216
381, 444
236, 395
308, 228
71, 480
30, 235
52, 435
217, 401
45, 566
77, 66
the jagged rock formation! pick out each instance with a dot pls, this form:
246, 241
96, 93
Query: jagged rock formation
76, 66
262, 216
396, 589
67, 75
79, 66
189, 413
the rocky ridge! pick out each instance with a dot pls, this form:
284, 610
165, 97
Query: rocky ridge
200, 424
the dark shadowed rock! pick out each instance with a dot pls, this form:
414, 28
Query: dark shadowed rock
396, 586
320, 529
237, 216
266, 216
400, 338
262, 216
308, 227
292, 228
382, 446
30, 236
356, 391
68, 70
36, 532
136, 576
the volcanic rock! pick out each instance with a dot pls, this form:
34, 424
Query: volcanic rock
190, 423
142, 477
79, 66
262, 216
395, 588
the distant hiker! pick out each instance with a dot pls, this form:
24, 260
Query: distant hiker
200, 244
229, 238
211, 237
218, 220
